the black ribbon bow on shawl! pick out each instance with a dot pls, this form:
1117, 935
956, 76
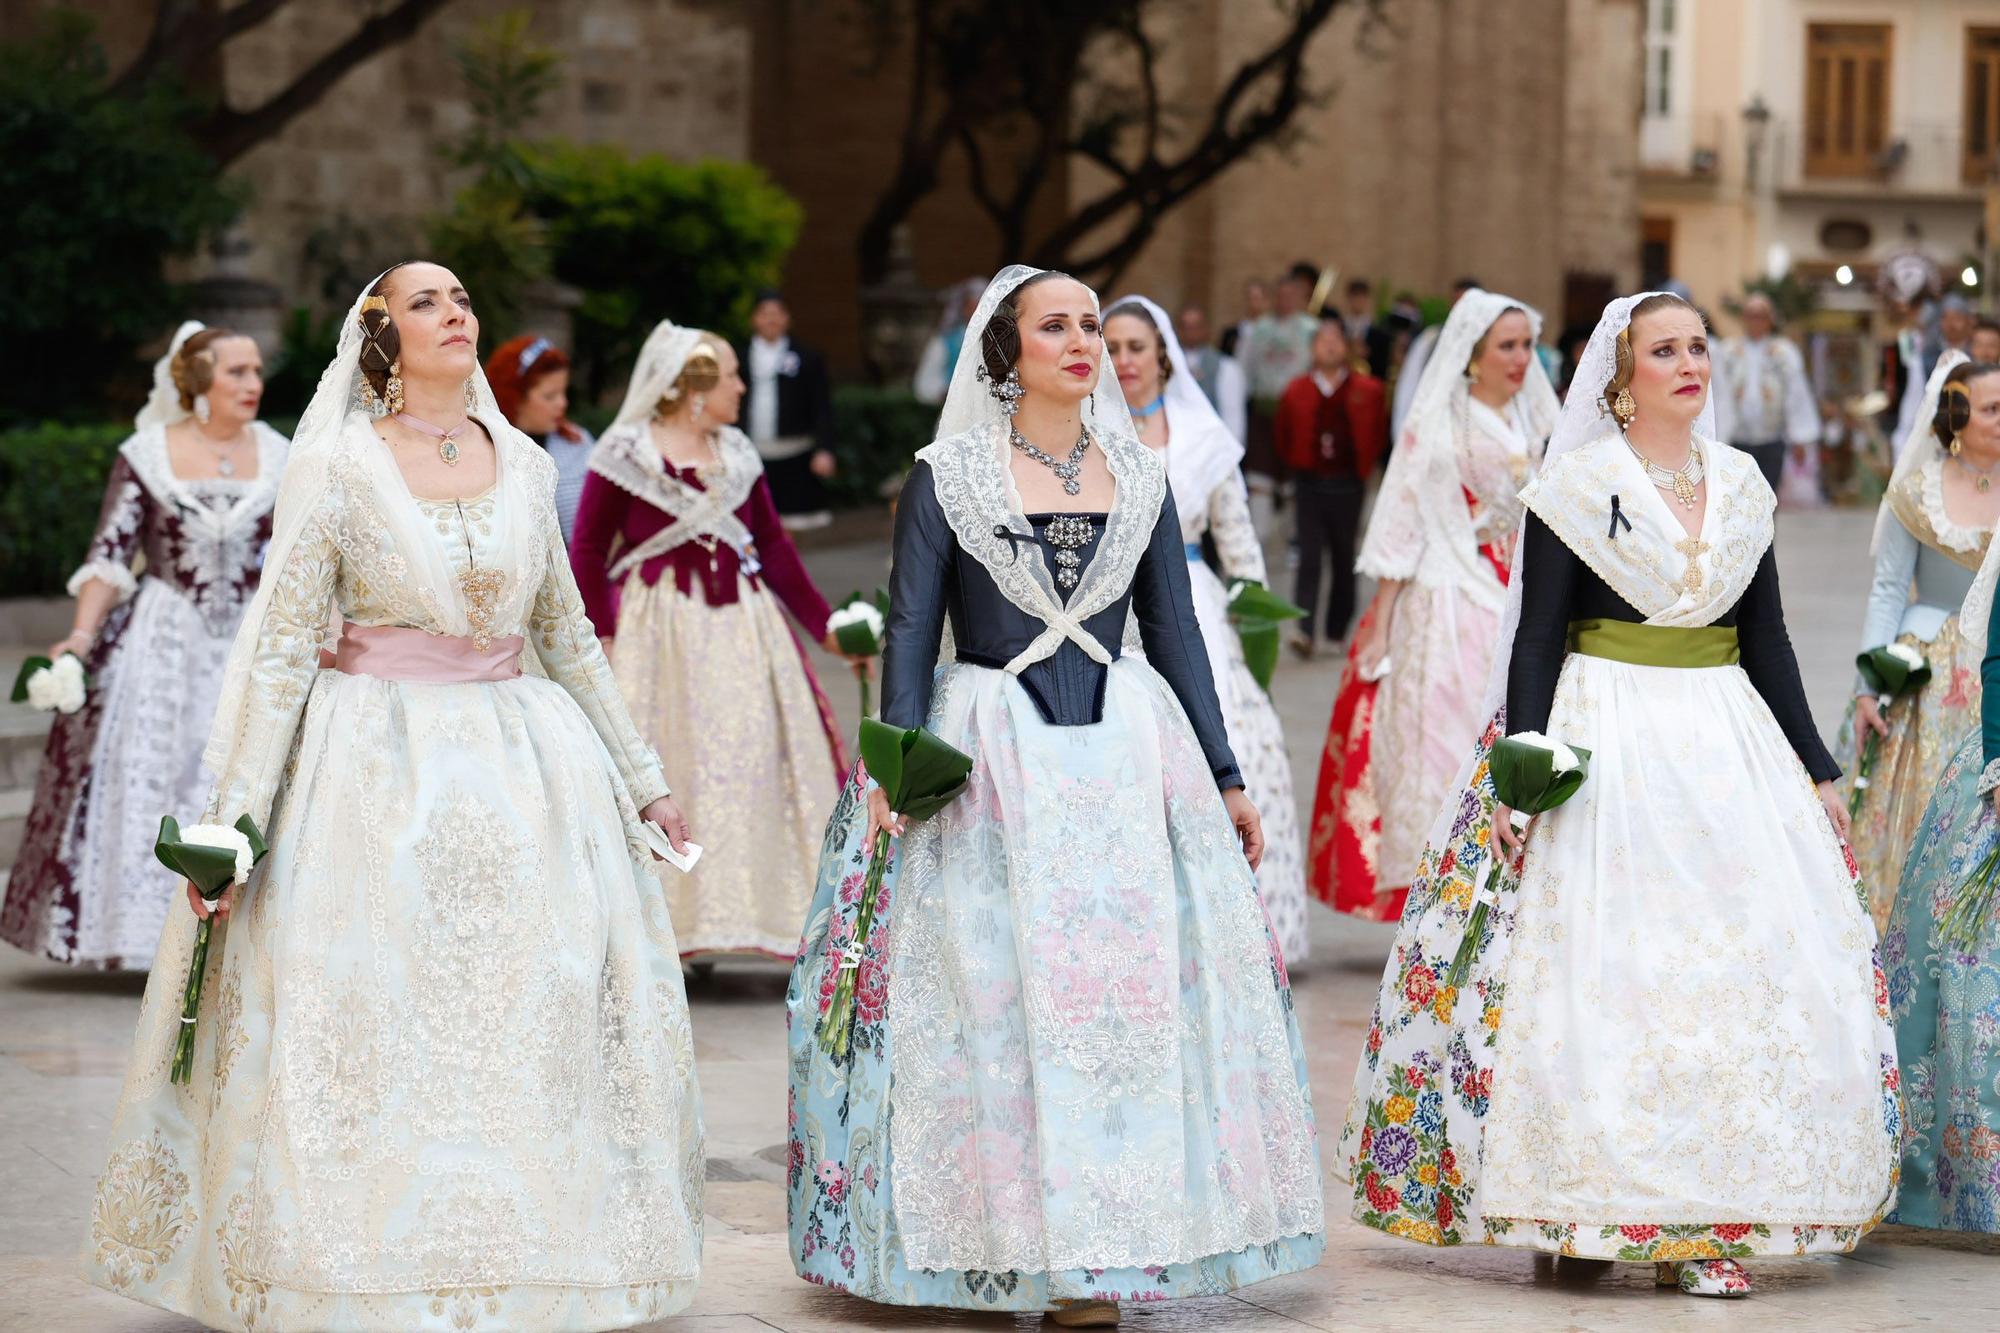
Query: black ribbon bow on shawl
1015, 539
1617, 517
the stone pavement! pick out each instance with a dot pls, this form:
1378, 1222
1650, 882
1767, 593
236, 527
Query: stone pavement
62, 1051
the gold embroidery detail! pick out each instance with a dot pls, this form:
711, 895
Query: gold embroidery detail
481, 588
1694, 548
141, 1213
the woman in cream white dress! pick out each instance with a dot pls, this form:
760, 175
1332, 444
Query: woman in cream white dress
443, 1075
1175, 419
1672, 1044
1440, 544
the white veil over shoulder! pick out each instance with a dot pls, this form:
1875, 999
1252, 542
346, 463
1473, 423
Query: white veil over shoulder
1584, 419
1977, 609
1423, 473
1910, 455
1201, 451
163, 403
321, 439
661, 360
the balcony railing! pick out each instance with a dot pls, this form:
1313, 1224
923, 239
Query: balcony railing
1913, 159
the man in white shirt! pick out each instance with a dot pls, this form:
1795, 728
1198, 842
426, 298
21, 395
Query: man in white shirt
1764, 402
789, 414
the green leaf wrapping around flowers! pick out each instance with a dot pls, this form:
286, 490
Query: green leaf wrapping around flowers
919, 772
1257, 607
210, 868
28, 668
1260, 653
1887, 674
858, 639
1524, 776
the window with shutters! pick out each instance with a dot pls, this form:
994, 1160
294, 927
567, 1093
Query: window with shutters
1982, 104
1847, 97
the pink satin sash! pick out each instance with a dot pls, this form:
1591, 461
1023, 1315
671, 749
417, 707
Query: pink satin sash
398, 652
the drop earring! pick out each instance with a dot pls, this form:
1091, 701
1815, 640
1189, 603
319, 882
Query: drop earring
698, 406
1624, 408
201, 412
471, 395
392, 392
1006, 391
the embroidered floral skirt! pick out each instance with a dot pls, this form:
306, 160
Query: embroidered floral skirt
443, 1075
1075, 1071
727, 698
1944, 997
86, 889
1925, 727
1673, 1040
1257, 740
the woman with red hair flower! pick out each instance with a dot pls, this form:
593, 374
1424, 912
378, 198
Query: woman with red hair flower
530, 379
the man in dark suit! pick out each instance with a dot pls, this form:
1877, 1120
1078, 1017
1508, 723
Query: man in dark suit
1331, 429
788, 413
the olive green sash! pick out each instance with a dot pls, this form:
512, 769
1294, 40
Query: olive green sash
1655, 645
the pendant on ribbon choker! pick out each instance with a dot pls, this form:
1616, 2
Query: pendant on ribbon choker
447, 439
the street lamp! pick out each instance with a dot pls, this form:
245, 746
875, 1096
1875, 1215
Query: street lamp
1756, 121
1970, 276
1844, 275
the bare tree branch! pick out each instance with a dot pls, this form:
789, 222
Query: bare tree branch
228, 133
186, 35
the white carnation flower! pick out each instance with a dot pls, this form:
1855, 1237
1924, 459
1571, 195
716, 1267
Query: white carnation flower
58, 687
1905, 654
226, 838
1565, 759
857, 613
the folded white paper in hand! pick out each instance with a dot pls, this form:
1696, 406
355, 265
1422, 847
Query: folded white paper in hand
664, 849
1376, 672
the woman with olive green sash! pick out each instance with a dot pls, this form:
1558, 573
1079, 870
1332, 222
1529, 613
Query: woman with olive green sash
1668, 1045
1935, 523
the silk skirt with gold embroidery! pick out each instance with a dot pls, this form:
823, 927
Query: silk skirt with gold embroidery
1925, 728
725, 695
443, 1074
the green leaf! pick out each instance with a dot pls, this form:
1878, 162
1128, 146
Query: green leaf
1260, 653
1257, 606
28, 668
210, 868
920, 772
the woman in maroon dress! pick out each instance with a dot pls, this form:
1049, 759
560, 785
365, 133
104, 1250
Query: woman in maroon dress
683, 565
191, 492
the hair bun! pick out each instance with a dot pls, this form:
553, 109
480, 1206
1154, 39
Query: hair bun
1954, 404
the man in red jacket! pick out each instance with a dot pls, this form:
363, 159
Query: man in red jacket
1331, 428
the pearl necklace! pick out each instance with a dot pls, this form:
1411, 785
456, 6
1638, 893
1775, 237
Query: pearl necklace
1682, 482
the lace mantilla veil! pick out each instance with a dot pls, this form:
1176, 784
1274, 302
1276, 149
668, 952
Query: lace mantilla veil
1200, 450
1911, 456
661, 360
1584, 419
163, 402
320, 439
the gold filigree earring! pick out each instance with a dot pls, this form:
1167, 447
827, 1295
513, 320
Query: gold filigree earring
392, 392
1954, 446
1472, 372
471, 395
1624, 407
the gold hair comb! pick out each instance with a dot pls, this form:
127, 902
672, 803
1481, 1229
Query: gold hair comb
369, 303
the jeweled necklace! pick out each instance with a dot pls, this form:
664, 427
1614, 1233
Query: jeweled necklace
225, 451
1069, 470
447, 439
1680, 482
1982, 478
1140, 413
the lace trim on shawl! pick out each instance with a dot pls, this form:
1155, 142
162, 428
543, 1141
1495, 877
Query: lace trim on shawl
1989, 777
152, 462
625, 457
1643, 565
976, 493
1918, 504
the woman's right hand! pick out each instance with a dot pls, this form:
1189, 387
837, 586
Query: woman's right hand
202, 907
78, 642
1868, 717
1503, 829
1374, 644
881, 817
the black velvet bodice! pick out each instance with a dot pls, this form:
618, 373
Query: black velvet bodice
1557, 588
934, 578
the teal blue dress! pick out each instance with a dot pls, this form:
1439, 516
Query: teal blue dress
1945, 997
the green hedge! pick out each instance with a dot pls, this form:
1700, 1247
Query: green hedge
51, 487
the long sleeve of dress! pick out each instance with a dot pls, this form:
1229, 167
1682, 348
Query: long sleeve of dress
1773, 667
1164, 604
1889, 592
1549, 572
924, 550
1393, 546
1235, 535
784, 573
282, 671
600, 517
561, 635
121, 522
